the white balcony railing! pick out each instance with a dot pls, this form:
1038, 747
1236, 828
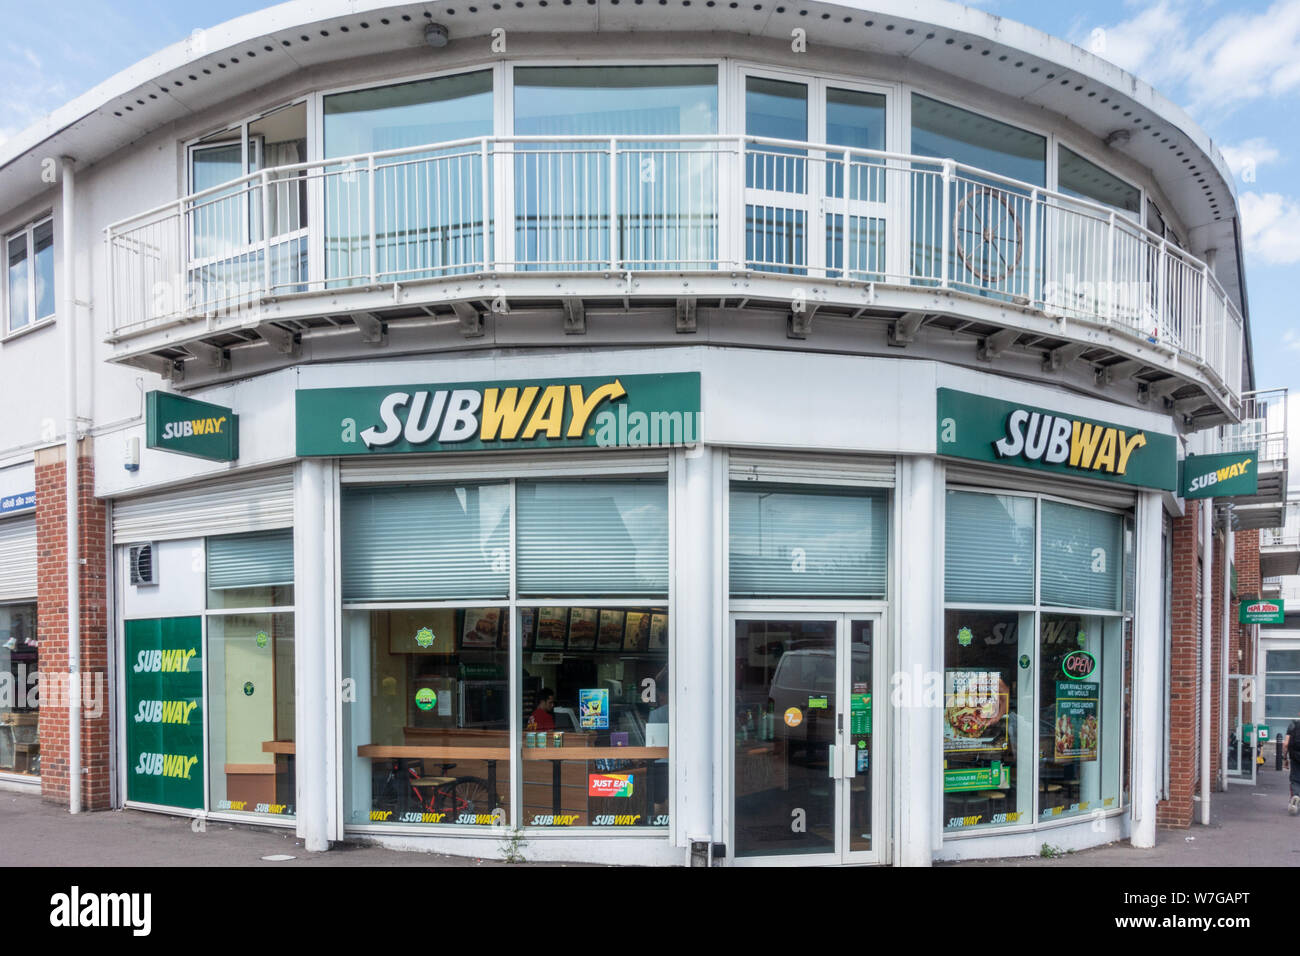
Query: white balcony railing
653, 203
1262, 427
1279, 538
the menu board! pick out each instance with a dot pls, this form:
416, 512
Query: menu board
636, 635
975, 711
610, 635
582, 628
552, 628
481, 625
1077, 720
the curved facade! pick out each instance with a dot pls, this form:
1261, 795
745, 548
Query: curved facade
777, 404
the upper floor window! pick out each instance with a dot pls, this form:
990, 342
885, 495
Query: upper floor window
29, 277
1077, 176
974, 140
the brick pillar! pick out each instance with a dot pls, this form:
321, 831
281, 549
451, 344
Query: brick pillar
1184, 670
52, 625
1249, 585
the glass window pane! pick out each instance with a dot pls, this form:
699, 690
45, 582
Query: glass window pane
20, 747
251, 570
989, 549
949, 132
1078, 718
987, 724
43, 239
1283, 661
251, 705
593, 537
409, 114
595, 749
430, 683
426, 542
1077, 176
1082, 555
792, 541
615, 100
19, 312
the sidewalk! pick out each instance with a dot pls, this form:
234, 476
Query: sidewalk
1249, 826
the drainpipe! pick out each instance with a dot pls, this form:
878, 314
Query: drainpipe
1207, 640
1223, 654
71, 476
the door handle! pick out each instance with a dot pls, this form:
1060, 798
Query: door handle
850, 760
830, 764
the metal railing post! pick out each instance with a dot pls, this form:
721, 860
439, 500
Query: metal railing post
947, 178
112, 288
1163, 320
1110, 269
370, 192
486, 199
614, 256
1033, 247
266, 233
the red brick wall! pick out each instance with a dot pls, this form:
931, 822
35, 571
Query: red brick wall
1184, 670
1249, 584
52, 625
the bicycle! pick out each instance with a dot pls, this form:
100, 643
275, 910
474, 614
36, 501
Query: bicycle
407, 788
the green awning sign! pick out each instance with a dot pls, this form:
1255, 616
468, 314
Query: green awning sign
1219, 476
1008, 433
1261, 612
186, 426
611, 411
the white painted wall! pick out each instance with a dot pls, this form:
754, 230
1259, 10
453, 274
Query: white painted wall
182, 582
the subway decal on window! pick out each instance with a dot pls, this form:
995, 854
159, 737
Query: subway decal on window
616, 411
991, 430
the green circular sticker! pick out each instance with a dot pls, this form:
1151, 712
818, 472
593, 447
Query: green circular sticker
1082, 639
964, 637
248, 688
262, 638
425, 698
1024, 661
424, 637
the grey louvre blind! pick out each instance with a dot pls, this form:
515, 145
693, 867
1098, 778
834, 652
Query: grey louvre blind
426, 542
794, 541
1083, 557
255, 560
251, 502
593, 537
17, 558
988, 549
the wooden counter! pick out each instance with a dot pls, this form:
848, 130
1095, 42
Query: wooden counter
279, 747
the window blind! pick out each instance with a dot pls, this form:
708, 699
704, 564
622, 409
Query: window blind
1083, 557
988, 549
426, 542
261, 559
792, 541
593, 537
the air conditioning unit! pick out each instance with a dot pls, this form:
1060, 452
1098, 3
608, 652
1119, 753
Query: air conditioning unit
143, 570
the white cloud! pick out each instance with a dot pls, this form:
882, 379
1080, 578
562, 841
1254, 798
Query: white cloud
1246, 156
1270, 225
1238, 57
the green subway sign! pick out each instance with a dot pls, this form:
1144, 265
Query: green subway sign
1009, 433
1261, 612
164, 712
1219, 476
186, 426
612, 411
991, 777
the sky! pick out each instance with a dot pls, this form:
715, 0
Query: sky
1235, 67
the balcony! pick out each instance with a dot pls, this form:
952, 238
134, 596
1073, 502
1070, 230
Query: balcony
472, 231
1262, 429
1279, 547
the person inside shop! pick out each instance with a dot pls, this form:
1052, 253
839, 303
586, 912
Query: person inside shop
543, 717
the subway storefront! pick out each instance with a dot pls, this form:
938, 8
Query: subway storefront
667, 614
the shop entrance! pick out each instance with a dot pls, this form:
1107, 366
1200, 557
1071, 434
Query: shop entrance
1243, 736
806, 743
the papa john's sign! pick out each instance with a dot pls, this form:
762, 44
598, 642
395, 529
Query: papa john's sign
613, 411
1007, 433
1261, 612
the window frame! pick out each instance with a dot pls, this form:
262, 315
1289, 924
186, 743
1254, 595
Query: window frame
28, 234
1038, 610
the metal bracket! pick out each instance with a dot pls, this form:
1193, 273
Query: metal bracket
996, 344
799, 324
1058, 358
902, 332
575, 316
280, 339
471, 320
374, 330
686, 319
1109, 374
214, 358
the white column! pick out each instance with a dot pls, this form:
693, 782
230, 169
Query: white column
918, 605
1207, 645
695, 691
1146, 746
314, 626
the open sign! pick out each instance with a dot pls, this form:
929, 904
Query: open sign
1078, 665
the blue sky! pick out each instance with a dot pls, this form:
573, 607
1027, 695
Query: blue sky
1234, 66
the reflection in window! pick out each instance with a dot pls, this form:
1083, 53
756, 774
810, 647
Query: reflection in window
776, 235
29, 275
20, 747
428, 216
1077, 176
856, 119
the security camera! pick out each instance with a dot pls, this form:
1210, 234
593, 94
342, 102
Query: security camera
435, 35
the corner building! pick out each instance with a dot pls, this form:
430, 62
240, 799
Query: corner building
715, 430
